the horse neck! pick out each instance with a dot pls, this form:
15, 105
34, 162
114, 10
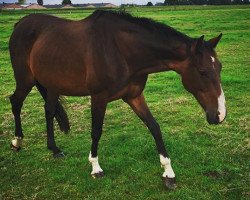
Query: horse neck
163, 54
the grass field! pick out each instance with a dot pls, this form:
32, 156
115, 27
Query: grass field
211, 162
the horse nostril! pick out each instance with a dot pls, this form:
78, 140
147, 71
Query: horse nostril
213, 117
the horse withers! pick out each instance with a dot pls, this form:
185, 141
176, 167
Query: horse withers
109, 56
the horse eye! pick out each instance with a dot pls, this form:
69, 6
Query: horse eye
203, 73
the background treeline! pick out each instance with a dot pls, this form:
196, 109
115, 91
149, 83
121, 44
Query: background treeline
203, 2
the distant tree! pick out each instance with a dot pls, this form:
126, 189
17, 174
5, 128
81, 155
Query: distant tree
202, 2
40, 2
171, 2
149, 3
66, 2
219, 2
21, 1
239, 1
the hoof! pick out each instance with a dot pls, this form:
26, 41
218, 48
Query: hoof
170, 183
58, 155
14, 148
98, 175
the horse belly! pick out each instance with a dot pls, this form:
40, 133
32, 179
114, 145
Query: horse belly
72, 88
65, 78
69, 84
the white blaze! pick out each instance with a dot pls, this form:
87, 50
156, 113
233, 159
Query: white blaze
166, 164
221, 106
221, 100
213, 59
95, 164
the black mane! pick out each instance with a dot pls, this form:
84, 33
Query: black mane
144, 22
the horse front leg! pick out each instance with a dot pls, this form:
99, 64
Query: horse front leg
140, 107
98, 108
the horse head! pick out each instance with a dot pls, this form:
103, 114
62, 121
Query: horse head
201, 77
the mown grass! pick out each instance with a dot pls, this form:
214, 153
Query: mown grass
211, 162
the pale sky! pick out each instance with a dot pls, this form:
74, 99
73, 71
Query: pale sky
116, 2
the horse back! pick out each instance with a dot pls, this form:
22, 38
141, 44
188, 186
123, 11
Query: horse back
71, 57
82, 54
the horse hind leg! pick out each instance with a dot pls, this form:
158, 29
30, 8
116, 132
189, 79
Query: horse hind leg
17, 102
60, 114
50, 111
24, 83
51, 106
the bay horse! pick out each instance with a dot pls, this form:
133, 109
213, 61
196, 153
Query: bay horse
109, 56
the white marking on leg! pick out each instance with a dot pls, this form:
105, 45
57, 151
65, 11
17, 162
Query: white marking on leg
17, 142
95, 164
166, 164
221, 106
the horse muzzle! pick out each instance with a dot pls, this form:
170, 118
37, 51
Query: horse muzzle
216, 117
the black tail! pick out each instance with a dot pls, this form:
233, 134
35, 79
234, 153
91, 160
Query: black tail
61, 115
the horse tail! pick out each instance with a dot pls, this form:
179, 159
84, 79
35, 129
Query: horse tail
60, 115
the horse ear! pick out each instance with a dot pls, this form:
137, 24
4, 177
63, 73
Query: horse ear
199, 44
214, 41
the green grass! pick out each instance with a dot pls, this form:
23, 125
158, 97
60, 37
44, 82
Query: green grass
211, 162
